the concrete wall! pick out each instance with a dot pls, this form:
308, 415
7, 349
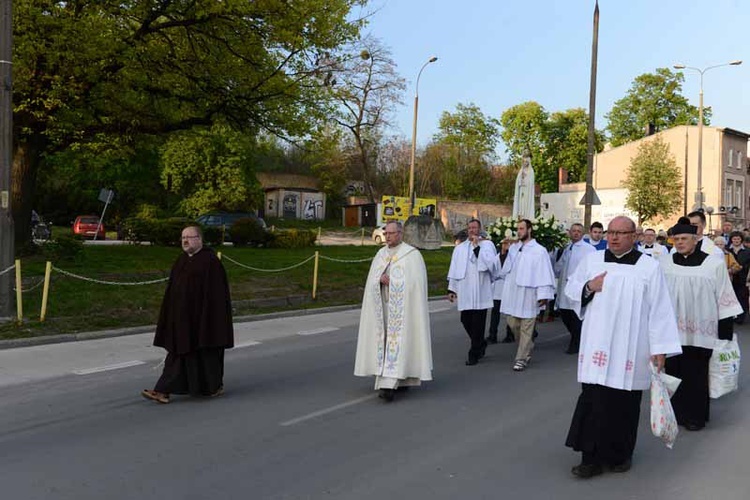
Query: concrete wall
566, 209
295, 204
456, 214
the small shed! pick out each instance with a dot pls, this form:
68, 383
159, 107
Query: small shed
292, 196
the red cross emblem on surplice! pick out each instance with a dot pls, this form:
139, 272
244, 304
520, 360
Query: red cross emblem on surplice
629, 366
599, 358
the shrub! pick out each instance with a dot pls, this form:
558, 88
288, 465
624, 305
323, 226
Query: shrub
212, 235
294, 238
248, 231
163, 232
63, 247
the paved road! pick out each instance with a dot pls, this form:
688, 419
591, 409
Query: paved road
295, 423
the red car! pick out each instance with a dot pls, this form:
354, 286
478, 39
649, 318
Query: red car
85, 225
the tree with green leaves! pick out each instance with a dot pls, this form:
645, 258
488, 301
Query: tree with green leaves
654, 99
107, 73
566, 142
210, 169
654, 182
471, 134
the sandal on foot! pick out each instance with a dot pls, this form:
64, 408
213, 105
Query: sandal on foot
520, 365
155, 396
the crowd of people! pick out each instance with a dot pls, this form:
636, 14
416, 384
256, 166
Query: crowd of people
628, 297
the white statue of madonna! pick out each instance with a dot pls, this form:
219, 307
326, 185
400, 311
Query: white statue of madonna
523, 199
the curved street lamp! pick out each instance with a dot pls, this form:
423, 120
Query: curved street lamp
412, 194
699, 180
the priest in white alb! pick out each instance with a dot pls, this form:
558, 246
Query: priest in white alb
474, 266
564, 268
705, 244
394, 328
628, 321
705, 306
529, 284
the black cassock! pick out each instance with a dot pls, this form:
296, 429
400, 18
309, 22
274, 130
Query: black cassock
195, 325
604, 426
691, 402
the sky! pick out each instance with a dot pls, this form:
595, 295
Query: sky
499, 53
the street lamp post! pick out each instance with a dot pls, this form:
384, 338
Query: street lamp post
699, 178
412, 194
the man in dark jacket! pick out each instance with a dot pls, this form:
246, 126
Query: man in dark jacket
195, 323
742, 256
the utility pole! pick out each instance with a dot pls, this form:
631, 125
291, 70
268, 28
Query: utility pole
591, 150
6, 144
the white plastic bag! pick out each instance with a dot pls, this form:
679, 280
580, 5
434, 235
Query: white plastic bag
663, 421
724, 368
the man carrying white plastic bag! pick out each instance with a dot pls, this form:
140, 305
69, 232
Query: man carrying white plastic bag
628, 322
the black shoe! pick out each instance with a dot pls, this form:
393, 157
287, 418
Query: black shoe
471, 361
484, 350
693, 427
623, 466
387, 394
586, 471
491, 339
571, 350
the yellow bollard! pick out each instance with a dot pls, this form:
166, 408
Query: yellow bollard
362, 243
315, 275
45, 293
19, 291
218, 254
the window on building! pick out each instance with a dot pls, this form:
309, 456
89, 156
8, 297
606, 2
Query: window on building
731, 156
740, 163
729, 193
739, 195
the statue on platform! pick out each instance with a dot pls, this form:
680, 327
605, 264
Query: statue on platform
523, 199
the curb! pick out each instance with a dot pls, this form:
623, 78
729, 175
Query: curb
135, 330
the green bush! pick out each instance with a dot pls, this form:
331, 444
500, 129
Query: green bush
293, 238
63, 247
162, 232
248, 231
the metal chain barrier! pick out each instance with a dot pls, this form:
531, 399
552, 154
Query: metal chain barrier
346, 261
8, 270
105, 282
225, 257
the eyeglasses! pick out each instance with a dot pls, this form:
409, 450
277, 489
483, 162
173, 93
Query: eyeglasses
618, 233
189, 237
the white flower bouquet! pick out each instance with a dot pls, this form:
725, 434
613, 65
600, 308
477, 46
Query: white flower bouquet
548, 232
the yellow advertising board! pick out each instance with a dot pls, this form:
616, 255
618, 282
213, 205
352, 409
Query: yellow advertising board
397, 207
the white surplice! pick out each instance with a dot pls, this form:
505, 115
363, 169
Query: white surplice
394, 326
630, 320
529, 278
657, 250
701, 296
566, 266
470, 277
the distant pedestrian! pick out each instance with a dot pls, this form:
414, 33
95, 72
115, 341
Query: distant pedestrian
650, 246
195, 323
739, 279
596, 236
474, 266
393, 343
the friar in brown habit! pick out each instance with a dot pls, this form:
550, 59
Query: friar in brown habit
195, 323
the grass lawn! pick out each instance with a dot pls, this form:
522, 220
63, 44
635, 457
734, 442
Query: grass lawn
75, 305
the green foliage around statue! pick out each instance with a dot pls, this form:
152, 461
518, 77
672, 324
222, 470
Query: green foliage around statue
654, 182
547, 232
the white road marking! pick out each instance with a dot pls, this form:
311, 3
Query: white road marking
328, 410
246, 344
441, 309
325, 329
116, 366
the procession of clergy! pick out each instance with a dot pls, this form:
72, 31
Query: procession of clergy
625, 308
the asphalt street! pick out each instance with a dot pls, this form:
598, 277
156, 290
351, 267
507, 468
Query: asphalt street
295, 423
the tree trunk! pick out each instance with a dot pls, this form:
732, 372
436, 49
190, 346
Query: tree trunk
23, 188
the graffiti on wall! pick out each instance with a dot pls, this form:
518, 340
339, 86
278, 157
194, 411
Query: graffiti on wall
290, 206
313, 209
